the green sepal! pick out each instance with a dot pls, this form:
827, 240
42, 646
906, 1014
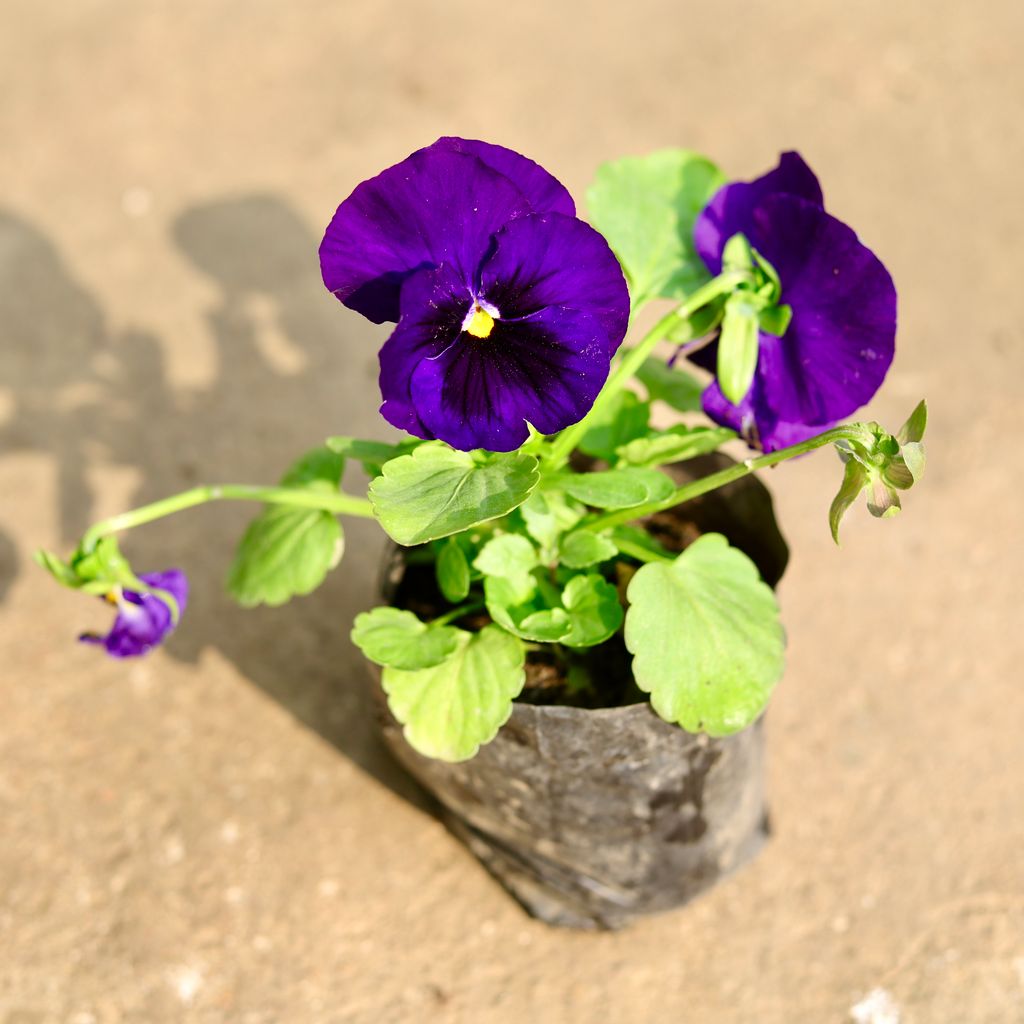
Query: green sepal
452, 570
775, 320
436, 491
615, 488
646, 207
57, 568
705, 635
677, 444
450, 710
738, 346
394, 638
288, 551
675, 388
855, 479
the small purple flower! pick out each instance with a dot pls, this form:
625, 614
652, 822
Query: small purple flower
509, 308
839, 344
143, 620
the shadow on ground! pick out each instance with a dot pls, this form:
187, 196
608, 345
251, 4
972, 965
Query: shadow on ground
286, 377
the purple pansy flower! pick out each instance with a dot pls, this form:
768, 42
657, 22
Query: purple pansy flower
143, 620
839, 344
509, 308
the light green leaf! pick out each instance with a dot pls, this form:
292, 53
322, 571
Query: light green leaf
583, 548
646, 208
595, 612
676, 388
509, 555
287, 551
397, 639
616, 488
624, 418
452, 571
547, 515
738, 346
855, 479
516, 604
705, 636
436, 491
674, 445
450, 710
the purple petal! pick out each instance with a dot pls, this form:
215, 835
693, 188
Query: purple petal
436, 207
545, 369
544, 191
143, 620
754, 420
434, 304
553, 261
841, 341
731, 208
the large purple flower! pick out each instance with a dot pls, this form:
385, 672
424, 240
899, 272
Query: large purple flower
143, 620
839, 344
509, 308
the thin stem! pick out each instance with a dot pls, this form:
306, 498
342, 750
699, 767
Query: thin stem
726, 476
457, 613
338, 503
640, 552
634, 358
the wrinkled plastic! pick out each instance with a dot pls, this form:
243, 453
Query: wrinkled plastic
591, 818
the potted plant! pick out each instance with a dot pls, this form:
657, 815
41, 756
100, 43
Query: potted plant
579, 633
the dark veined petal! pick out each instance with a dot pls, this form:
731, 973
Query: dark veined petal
436, 207
548, 260
434, 304
143, 620
730, 210
544, 191
545, 369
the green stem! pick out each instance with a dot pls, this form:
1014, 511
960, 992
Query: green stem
339, 504
640, 552
853, 432
457, 613
563, 445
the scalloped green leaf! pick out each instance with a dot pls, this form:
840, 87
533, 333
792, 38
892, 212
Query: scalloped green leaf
583, 548
517, 604
395, 638
646, 207
676, 444
436, 491
705, 637
547, 515
594, 610
617, 488
450, 710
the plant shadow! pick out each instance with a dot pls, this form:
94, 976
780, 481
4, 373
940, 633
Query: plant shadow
290, 369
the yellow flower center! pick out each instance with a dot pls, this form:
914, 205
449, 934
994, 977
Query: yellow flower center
481, 323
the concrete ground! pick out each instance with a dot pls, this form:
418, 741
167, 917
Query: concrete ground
213, 834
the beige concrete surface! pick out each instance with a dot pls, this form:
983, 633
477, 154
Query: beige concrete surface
213, 834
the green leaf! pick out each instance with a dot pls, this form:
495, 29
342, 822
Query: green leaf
583, 548
624, 418
595, 612
451, 709
285, 551
646, 208
397, 639
674, 445
372, 454
738, 346
517, 604
288, 551
452, 570
629, 536
547, 515
616, 488
676, 388
509, 555
436, 491
855, 479
705, 636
